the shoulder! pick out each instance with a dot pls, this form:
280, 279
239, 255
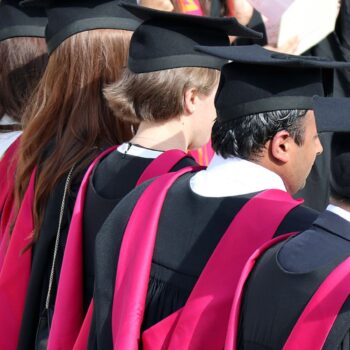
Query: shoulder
322, 244
122, 211
298, 219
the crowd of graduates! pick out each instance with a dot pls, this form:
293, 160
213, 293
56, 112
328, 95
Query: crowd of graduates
152, 169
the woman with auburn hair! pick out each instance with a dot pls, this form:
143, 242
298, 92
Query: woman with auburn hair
69, 125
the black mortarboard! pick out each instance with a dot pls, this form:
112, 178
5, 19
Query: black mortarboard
166, 40
332, 114
17, 21
69, 17
340, 165
258, 80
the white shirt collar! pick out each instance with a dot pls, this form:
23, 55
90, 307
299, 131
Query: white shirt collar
233, 177
137, 151
6, 139
339, 211
7, 120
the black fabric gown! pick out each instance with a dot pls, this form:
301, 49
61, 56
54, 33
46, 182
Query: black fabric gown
115, 176
284, 280
43, 251
189, 229
112, 171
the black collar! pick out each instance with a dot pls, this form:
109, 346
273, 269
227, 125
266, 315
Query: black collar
334, 224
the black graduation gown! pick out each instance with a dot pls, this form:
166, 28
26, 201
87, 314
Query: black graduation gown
43, 251
111, 172
190, 227
284, 280
103, 194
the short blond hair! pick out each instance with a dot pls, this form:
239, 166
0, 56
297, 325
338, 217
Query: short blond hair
157, 96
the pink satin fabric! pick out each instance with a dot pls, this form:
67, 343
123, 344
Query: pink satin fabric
189, 327
15, 272
232, 328
316, 321
134, 263
68, 314
7, 181
197, 325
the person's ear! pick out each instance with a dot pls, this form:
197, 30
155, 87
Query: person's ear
190, 100
281, 146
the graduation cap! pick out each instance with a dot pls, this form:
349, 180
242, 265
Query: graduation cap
17, 21
258, 80
332, 114
69, 17
166, 40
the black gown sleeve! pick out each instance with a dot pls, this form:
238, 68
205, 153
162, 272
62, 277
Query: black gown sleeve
298, 219
42, 261
107, 246
97, 207
339, 336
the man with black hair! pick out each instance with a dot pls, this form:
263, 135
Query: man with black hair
254, 137
266, 140
278, 297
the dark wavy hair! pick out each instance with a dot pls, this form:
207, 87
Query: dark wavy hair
246, 137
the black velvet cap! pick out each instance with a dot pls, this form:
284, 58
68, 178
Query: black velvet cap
258, 80
340, 165
17, 21
69, 17
166, 40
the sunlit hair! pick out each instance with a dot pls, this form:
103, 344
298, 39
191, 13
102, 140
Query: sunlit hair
157, 96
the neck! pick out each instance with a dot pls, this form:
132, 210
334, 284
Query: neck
267, 163
162, 136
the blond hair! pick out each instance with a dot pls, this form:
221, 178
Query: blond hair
157, 96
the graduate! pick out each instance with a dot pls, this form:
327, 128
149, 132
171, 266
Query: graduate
168, 90
290, 300
23, 57
70, 124
265, 138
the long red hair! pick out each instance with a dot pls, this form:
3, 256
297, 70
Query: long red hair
69, 113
